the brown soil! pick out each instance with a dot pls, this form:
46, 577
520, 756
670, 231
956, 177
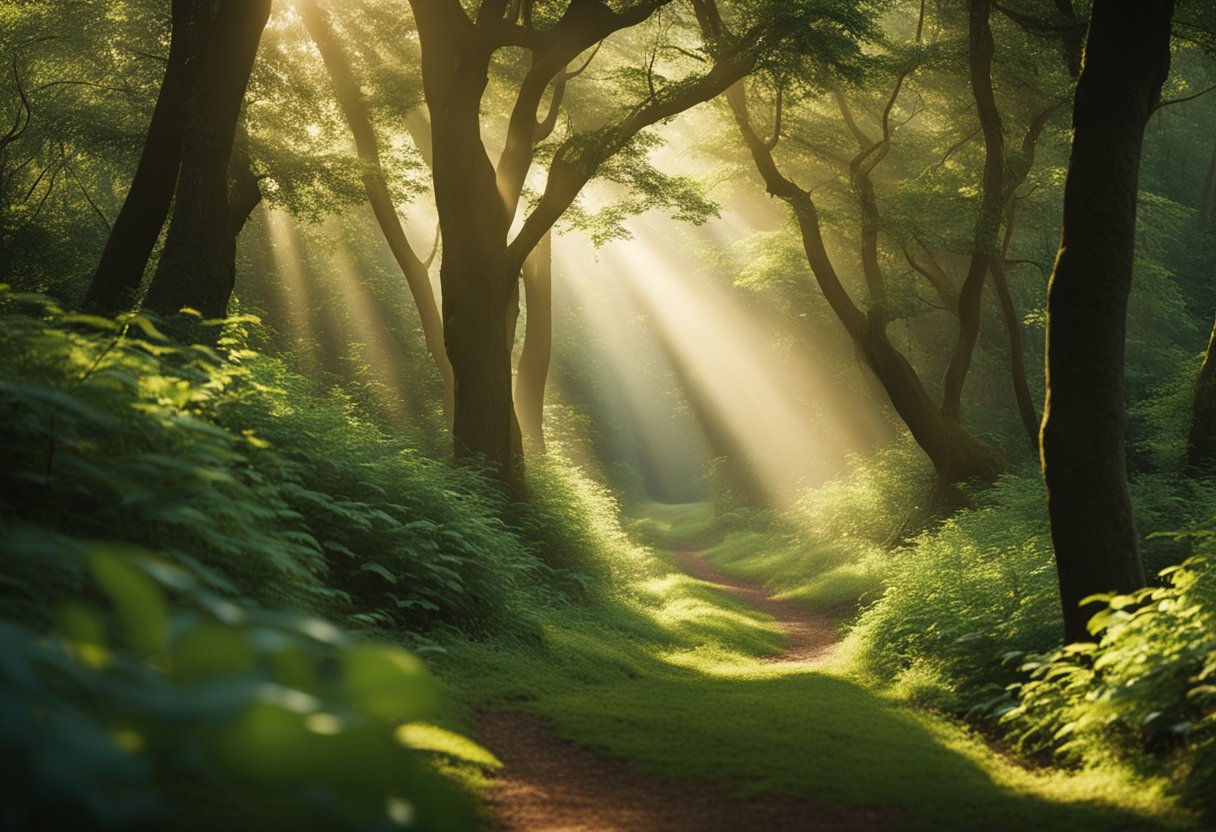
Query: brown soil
812, 635
548, 784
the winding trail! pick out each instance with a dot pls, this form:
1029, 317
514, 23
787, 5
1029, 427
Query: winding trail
549, 784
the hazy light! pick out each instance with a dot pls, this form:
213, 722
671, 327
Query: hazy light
287, 283
780, 410
369, 335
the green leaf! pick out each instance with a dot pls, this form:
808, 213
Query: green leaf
83, 627
95, 321
137, 600
211, 649
379, 570
389, 683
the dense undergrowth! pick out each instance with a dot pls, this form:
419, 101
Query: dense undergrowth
964, 617
208, 560
205, 558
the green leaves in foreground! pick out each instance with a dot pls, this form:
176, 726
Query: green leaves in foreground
204, 714
1147, 685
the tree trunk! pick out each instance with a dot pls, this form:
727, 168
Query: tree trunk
244, 188
1201, 440
120, 272
476, 291
957, 455
533, 367
988, 223
1126, 61
1017, 353
354, 108
1207, 206
197, 268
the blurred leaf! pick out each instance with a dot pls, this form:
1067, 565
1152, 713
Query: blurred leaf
388, 683
139, 603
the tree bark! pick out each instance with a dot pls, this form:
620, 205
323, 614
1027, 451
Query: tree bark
1017, 353
533, 369
115, 284
244, 185
1126, 61
354, 108
197, 268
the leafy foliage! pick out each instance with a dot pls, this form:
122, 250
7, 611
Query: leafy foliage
1148, 684
233, 467
160, 704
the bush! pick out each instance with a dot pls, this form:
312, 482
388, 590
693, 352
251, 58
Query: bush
231, 466
1147, 685
161, 705
961, 597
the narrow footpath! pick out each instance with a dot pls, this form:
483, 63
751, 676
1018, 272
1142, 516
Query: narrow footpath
549, 784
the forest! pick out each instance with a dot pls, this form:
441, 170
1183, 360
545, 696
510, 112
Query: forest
608, 415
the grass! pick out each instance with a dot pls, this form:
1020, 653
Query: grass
665, 675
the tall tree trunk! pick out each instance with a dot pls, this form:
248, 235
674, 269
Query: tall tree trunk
197, 268
1207, 205
120, 272
354, 108
476, 292
1015, 174
244, 188
1126, 61
988, 223
533, 370
1201, 440
1017, 353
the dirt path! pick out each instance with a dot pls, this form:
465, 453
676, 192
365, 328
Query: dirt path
812, 635
548, 784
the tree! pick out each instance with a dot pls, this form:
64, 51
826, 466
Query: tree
533, 368
957, 455
1201, 438
197, 267
115, 284
354, 108
478, 200
1126, 60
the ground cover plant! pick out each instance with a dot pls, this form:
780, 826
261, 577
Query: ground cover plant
615, 414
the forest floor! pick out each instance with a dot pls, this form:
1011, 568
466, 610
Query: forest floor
698, 702
548, 784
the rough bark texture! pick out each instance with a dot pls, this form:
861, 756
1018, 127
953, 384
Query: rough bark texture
197, 268
115, 284
354, 108
533, 370
1126, 60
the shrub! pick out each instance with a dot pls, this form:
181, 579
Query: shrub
1147, 685
224, 461
161, 705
